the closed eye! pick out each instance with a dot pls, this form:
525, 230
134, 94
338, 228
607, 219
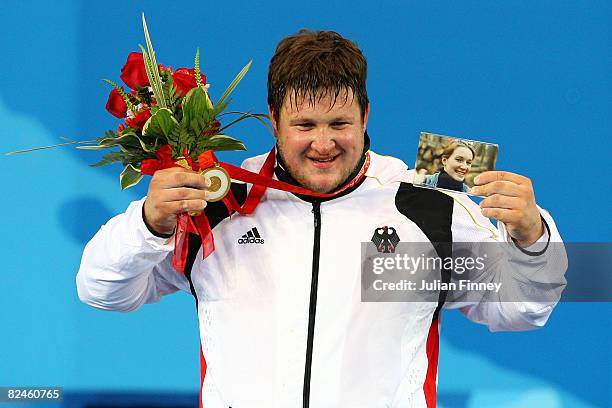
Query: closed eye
339, 124
304, 125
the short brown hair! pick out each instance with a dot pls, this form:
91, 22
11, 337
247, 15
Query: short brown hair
311, 64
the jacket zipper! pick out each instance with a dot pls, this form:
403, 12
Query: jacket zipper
316, 251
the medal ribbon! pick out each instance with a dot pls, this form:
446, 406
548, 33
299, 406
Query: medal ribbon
199, 224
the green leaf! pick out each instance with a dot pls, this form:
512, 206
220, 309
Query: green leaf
151, 66
161, 124
209, 104
95, 147
245, 115
130, 141
130, 176
219, 143
51, 147
196, 107
234, 83
220, 107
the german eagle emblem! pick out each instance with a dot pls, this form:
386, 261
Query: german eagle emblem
385, 239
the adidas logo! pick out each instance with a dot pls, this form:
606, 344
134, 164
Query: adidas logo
251, 237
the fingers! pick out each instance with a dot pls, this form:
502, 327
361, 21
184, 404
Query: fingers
510, 198
161, 216
182, 199
179, 177
520, 225
502, 201
181, 206
181, 194
507, 216
492, 176
498, 187
171, 192
502, 182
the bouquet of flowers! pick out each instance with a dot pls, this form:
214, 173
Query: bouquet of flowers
170, 120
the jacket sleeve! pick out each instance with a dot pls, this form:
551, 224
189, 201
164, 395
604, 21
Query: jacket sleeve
530, 279
125, 266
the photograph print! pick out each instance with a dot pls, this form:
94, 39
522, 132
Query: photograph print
450, 163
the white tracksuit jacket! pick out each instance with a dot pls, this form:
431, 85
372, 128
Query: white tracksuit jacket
282, 323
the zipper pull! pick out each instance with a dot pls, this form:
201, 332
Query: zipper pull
316, 212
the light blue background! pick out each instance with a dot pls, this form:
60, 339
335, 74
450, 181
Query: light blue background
533, 77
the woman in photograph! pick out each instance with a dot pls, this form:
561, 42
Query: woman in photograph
457, 161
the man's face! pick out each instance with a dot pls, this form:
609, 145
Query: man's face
321, 145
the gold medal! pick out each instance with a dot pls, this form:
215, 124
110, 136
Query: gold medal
219, 182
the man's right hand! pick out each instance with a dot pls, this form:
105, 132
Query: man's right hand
171, 192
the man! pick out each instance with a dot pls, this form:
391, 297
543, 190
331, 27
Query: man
282, 323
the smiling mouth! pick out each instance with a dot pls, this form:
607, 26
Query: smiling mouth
323, 162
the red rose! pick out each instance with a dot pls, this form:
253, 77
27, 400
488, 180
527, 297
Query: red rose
184, 80
133, 72
139, 120
116, 105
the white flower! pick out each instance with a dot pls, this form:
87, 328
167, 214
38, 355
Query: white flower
131, 114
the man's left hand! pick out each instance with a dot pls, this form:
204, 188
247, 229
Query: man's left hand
511, 200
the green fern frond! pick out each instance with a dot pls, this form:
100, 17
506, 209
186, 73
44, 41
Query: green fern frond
124, 95
109, 158
124, 157
177, 136
171, 94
